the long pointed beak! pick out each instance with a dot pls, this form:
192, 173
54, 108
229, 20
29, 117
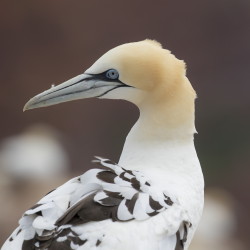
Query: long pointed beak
79, 87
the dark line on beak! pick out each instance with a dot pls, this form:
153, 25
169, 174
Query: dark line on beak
116, 87
69, 85
89, 89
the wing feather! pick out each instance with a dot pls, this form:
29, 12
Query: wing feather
106, 192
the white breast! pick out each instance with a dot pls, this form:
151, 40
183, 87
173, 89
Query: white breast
173, 166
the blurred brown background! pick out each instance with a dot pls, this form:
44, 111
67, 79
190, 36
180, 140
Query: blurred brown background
46, 42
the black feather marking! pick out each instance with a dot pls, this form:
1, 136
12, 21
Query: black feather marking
106, 176
135, 183
50, 242
87, 210
93, 211
51, 191
65, 245
167, 200
73, 211
28, 244
76, 240
35, 206
129, 171
110, 201
98, 242
19, 231
122, 176
154, 204
113, 194
179, 243
67, 231
39, 213
131, 203
186, 225
153, 213
44, 237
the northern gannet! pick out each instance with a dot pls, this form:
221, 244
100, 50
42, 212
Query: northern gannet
153, 198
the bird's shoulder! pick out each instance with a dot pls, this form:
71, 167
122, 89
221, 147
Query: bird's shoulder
108, 191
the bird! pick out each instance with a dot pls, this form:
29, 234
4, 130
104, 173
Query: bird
152, 199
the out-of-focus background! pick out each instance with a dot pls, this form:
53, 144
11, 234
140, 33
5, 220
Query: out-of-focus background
47, 42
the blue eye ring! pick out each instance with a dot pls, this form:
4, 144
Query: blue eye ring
112, 74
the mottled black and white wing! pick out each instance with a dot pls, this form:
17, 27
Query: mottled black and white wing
107, 192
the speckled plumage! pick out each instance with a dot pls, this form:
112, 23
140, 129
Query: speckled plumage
107, 192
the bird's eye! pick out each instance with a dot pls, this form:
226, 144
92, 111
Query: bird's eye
112, 74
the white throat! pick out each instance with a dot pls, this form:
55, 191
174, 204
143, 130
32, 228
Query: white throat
149, 149
158, 151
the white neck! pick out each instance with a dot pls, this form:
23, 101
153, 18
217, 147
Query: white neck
169, 162
155, 147
151, 148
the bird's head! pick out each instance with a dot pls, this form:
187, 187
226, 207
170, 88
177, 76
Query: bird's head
140, 72
143, 73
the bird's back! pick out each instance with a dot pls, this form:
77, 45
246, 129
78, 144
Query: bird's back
106, 208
